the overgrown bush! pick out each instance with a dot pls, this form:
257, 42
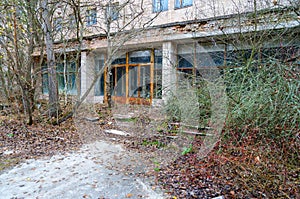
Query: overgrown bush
265, 99
190, 103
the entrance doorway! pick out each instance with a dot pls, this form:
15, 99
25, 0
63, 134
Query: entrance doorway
140, 83
133, 79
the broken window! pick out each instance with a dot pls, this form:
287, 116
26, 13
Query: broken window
133, 81
183, 3
66, 78
91, 17
237, 57
196, 61
210, 55
185, 64
145, 80
282, 54
119, 76
160, 5
139, 81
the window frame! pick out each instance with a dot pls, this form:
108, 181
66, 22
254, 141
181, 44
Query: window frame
113, 11
183, 4
70, 71
160, 5
192, 65
58, 24
72, 21
99, 89
91, 17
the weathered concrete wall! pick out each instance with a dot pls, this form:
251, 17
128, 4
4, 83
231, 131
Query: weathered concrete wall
137, 14
206, 20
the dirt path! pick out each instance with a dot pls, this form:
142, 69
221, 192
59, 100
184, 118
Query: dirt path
98, 170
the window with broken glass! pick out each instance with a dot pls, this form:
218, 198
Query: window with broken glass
195, 61
160, 5
238, 57
185, 64
66, 78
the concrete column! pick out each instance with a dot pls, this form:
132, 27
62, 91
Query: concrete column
87, 75
168, 69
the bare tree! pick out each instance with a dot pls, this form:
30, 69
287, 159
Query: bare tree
19, 35
51, 64
118, 24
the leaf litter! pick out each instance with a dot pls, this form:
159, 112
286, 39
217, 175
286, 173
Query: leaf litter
249, 169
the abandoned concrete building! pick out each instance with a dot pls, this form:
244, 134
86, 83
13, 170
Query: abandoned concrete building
169, 39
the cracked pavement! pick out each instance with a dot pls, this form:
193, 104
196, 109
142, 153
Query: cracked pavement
98, 170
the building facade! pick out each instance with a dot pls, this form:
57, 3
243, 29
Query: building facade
151, 45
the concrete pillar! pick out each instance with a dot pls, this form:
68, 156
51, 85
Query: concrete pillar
168, 69
87, 75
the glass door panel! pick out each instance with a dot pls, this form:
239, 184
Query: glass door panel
133, 81
145, 81
120, 86
139, 81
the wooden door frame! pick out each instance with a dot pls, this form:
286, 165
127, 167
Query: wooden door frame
134, 100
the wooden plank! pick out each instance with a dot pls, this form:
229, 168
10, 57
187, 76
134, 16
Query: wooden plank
191, 126
105, 94
92, 119
127, 78
197, 133
151, 75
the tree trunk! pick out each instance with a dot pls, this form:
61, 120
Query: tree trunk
108, 87
23, 84
108, 82
52, 81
